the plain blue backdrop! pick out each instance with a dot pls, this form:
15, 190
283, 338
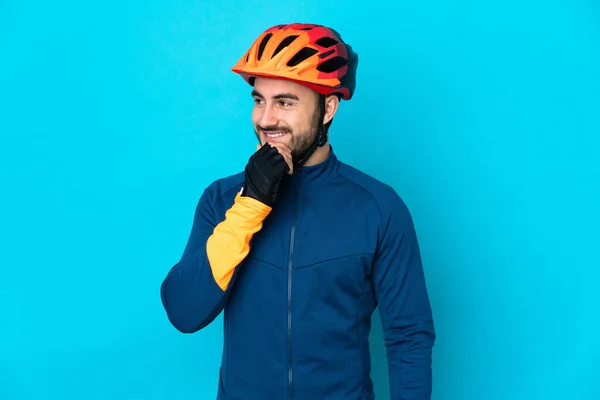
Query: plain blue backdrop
114, 116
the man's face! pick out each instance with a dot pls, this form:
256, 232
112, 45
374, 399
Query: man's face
285, 112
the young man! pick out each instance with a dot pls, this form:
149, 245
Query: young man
300, 248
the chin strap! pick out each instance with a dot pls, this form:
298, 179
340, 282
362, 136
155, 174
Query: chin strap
320, 138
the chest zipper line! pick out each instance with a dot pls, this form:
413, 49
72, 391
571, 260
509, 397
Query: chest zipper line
289, 292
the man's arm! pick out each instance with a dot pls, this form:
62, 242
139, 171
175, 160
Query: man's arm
404, 304
196, 289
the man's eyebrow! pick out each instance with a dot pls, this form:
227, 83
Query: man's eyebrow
288, 96
279, 96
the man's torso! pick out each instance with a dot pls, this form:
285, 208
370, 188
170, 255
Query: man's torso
298, 317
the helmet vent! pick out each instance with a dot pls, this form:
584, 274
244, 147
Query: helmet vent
301, 56
263, 44
284, 43
327, 53
332, 65
326, 42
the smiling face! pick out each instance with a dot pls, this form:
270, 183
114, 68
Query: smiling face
287, 112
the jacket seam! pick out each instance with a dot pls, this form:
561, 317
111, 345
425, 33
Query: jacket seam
359, 343
334, 258
368, 192
226, 192
264, 261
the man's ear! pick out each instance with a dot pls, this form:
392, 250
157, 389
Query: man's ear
332, 103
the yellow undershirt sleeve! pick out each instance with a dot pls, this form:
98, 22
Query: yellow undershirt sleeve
229, 243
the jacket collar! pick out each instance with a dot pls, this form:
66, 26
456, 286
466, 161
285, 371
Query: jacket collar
319, 173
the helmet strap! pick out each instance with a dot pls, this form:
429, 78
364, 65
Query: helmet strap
320, 137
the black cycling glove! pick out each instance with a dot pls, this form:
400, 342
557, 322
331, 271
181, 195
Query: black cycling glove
264, 170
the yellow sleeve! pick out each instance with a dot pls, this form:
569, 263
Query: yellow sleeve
229, 243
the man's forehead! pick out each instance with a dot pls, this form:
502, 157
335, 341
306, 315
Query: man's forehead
268, 87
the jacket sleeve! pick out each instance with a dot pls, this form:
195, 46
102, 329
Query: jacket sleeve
196, 289
404, 305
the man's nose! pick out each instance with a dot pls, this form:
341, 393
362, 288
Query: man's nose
268, 117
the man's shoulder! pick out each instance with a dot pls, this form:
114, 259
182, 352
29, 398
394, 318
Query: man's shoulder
387, 198
225, 187
374, 186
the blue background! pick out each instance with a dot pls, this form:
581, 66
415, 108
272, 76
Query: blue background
484, 115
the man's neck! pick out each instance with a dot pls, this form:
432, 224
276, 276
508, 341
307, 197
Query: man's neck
318, 156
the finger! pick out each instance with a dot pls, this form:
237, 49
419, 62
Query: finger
264, 150
282, 148
287, 155
285, 146
287, 158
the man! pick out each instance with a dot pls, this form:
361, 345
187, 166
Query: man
300, 248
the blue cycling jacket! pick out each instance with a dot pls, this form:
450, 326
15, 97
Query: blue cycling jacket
298, 284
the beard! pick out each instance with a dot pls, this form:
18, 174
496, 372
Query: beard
300, 141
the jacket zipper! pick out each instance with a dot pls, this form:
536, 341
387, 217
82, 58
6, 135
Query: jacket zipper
289, 296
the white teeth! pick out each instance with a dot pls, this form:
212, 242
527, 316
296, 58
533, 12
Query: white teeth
275, 135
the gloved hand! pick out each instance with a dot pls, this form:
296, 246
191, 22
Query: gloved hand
264, 170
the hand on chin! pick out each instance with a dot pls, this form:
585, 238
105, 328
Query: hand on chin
282, 147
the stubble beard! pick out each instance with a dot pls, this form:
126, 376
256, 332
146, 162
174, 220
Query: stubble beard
300, 142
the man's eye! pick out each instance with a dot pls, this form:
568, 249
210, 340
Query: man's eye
285, 103
257, 101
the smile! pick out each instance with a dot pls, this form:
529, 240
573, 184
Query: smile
273, 135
